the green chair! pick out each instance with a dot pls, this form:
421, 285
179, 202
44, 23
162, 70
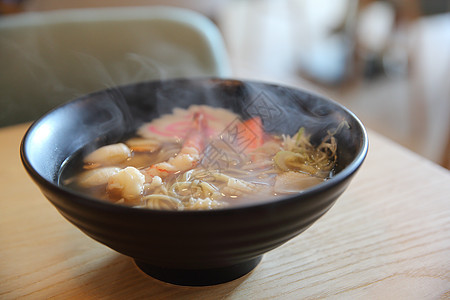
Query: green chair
50, 58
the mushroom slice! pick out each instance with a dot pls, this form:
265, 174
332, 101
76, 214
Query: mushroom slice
143, 145
294, 182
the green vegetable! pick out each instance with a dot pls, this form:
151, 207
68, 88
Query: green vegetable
301, 156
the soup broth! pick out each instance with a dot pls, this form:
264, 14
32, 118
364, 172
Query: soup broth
201, 158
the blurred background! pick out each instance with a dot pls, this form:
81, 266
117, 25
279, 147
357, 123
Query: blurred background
387, 61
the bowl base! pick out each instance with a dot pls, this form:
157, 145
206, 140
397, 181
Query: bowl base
199, 277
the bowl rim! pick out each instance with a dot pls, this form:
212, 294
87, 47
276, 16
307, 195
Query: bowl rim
86, 200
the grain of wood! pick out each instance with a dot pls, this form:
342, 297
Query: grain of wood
388, 236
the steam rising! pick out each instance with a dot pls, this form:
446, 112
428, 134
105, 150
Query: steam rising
282, 110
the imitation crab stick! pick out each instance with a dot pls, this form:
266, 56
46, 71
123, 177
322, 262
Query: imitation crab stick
251, 131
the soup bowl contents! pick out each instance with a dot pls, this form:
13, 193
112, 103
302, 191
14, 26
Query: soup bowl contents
196, 165
195, 179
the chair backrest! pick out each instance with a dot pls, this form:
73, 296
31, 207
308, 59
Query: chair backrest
49, 58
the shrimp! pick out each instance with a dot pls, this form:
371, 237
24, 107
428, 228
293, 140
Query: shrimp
108, 155
127, 183
189, 155
96, 177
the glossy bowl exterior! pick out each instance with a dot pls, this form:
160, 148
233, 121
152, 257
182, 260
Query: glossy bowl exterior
188, 247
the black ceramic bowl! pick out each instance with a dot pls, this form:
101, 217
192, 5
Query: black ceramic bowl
190, 247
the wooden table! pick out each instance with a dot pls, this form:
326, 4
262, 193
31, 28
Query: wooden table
388, 236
